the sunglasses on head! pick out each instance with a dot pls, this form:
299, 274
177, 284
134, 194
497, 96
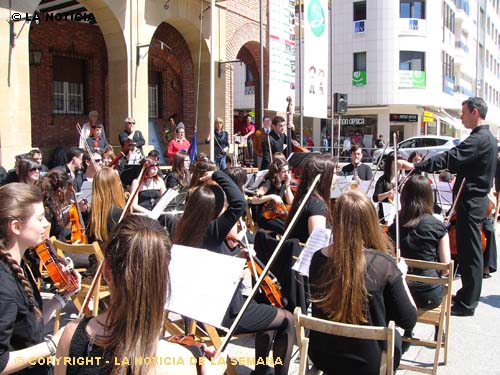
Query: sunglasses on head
154, 164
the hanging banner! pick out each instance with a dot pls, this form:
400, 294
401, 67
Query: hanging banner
315, 58
281, 53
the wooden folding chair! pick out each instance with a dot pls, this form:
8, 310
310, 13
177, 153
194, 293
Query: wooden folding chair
100, 291
303, 322
438, 317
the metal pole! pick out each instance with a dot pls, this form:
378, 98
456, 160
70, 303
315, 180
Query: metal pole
261, 25
301, 82
338, 137
212, 79
331, 79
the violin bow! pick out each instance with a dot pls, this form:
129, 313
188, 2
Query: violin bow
396, 195
267, 268
86, 146
98, 273
246, 243
454, 206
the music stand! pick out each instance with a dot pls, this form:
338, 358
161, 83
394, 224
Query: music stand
129, 173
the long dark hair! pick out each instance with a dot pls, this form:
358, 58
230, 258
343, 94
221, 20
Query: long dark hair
416, 200
54, 187
138, 255
16, 200
179, 170
274, 170
317, 164
204, 205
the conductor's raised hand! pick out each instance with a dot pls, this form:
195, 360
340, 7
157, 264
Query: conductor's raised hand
207, 176
405, 165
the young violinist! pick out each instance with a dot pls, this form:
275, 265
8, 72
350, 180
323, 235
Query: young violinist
136, 270
151, 187
422, 237
385, 188
56, 189
275, 193
211, 211
356, 281
316, 212
22, 225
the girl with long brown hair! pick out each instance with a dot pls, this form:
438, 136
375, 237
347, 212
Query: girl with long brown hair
211, 211
136, 270
22, 225
356, 281
108, 201
275, 190
180, 176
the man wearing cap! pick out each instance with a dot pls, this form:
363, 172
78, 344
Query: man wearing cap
179, 143
88, 129
131, 135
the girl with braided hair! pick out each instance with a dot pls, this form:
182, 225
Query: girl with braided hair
22, 225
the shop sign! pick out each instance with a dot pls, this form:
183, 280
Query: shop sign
412, 79
359, 78
351, 121
403, 117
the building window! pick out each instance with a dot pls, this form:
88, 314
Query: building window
412, 9
449, 18
68, 85
412, 60
155, 80
359, 61
359, 11
448, 74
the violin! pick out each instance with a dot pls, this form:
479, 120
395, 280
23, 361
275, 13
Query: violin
272, 210
57, 268
123, 153
198, 348
270, 284
78, 235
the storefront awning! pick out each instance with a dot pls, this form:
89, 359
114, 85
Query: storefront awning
449, 119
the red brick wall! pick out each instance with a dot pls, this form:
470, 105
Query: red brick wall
176, 66
74, 40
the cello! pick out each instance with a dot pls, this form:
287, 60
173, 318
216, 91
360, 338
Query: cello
292, 143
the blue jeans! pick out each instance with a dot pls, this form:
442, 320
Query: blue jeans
220, 162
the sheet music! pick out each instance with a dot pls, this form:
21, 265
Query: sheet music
254, 180
364, 185
319, 238
445, 191
341, 184
202, 283
390, 211
160, 206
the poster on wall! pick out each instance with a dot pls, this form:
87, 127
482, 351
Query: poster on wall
281, 53
315, 58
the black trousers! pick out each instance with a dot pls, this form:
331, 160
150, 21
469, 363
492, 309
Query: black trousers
471, 212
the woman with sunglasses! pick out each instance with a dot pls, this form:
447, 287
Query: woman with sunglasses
151, 187
28, 171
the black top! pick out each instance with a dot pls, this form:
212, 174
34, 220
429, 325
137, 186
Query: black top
148, 198
383, 185
387, 301
474, 159
138, 139
19, 329
313, 207
364, 171
82, 347
221, 141
421, 243
277, 142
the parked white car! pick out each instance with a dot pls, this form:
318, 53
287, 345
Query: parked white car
427, 145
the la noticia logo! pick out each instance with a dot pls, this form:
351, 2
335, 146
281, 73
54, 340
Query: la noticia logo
38, 17
316, 18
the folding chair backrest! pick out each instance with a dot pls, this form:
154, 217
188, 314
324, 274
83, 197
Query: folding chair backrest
303, 322
91, 248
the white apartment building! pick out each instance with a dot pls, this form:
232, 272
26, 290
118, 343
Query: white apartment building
407, 65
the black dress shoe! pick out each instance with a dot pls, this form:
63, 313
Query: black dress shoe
458, 310
486, 275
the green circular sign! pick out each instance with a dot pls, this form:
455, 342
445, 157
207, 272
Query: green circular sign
316, 18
